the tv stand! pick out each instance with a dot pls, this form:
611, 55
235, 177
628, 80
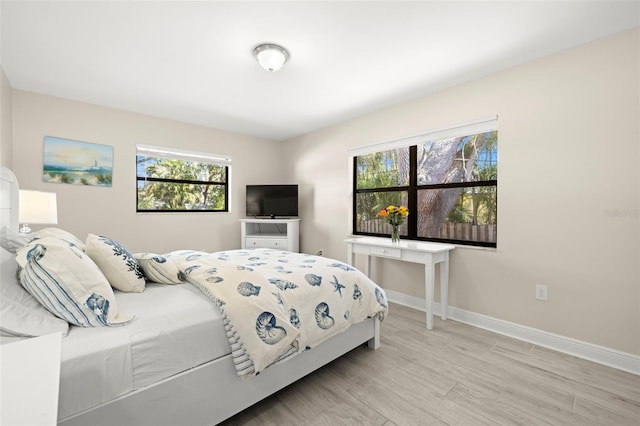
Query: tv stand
282, 234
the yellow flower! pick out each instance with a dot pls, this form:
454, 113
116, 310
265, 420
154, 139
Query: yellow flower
394, 215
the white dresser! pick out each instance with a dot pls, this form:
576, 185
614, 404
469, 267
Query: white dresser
282, 234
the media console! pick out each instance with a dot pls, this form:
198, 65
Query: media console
282, 234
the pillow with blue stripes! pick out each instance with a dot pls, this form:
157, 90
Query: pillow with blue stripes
58, 233
21, 315
68, 283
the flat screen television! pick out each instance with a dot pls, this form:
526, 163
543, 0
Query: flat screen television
272, 200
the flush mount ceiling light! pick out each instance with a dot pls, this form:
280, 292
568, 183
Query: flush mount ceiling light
271, 57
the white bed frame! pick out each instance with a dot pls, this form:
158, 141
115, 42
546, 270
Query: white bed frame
212, 392
209, 393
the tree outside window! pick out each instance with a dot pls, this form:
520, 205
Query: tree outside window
449, 185
169, 184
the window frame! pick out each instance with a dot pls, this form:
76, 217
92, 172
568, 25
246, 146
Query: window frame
413, 188
186, 157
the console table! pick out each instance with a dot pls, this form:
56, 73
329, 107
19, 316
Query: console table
428, 254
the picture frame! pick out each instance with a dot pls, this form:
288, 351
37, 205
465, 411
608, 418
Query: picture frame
78, 163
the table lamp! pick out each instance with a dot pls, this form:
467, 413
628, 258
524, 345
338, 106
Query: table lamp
37, 207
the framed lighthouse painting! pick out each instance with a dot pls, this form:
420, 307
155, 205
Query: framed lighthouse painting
78, 163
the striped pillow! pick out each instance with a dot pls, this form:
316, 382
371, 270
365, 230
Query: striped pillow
21, 314
58, 233
68, 283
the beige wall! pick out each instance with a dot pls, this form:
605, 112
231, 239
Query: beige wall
568, 197
112, 211
6, 147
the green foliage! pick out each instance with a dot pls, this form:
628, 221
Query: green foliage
478, 205
104, 179
184, 189
378, 170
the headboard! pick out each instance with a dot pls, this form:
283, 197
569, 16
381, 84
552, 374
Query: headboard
8, 199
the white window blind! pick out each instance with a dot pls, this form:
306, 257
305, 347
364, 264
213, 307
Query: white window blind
182, 154
478, 126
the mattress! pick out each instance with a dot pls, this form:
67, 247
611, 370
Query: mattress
175, 328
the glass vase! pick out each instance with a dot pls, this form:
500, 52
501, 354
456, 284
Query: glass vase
395, 234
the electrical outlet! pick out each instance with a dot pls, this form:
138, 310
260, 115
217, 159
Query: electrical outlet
542, 293
319, 253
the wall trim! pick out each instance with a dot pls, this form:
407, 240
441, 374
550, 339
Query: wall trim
589, 351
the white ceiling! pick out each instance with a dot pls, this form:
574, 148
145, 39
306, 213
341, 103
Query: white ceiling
192, 60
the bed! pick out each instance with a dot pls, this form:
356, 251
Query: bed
165, 353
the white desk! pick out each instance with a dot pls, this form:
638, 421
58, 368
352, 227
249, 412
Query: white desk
428, 254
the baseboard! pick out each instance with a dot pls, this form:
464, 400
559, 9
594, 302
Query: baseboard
600, 354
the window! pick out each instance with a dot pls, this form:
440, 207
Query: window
448, 179
172, 180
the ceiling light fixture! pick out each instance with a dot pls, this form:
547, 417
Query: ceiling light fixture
271, 57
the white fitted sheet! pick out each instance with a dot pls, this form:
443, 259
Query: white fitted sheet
175, 328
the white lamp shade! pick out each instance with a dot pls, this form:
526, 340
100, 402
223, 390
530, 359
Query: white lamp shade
271, 57
37, 207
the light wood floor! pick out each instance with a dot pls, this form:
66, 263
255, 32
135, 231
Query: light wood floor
453, 375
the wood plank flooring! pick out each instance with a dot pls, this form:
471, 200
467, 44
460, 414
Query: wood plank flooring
453, 375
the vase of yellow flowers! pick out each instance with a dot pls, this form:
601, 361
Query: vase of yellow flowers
394, 216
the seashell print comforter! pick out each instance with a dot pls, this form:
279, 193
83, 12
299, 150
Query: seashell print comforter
277, 304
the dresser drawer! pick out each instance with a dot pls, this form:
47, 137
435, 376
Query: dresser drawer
276, 243
386, 252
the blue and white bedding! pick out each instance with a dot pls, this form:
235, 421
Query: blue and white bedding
277, 304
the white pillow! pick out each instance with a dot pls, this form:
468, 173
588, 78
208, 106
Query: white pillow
20, 314
116, 263
11, 240
158, 268
67, 283
58, 233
